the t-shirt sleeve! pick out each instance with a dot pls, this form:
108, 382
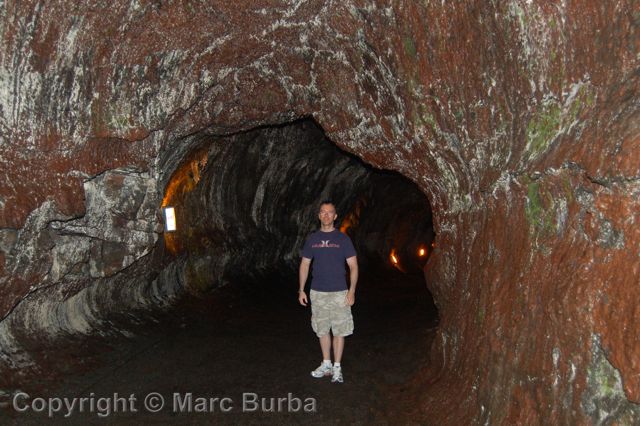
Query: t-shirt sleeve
306, 249
349, 250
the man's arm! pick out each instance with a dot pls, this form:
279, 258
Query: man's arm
353, 279
303, 273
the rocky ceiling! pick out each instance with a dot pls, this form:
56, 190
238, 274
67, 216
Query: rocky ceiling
518, 119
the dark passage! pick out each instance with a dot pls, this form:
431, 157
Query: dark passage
244, 205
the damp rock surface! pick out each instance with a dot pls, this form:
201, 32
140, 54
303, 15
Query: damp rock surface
518, 119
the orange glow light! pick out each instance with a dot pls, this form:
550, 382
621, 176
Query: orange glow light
421, 252
394, 259
182, 181
352, 218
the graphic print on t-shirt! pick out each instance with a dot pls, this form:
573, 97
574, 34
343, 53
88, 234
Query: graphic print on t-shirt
325, 243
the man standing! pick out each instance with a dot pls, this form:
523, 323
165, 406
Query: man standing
331, 300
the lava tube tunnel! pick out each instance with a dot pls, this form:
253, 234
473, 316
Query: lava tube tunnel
164, 164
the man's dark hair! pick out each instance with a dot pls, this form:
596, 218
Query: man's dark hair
326, 202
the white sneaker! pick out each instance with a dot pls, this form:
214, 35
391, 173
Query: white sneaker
336, 376
325, 369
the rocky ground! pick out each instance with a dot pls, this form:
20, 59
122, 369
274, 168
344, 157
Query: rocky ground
252, 344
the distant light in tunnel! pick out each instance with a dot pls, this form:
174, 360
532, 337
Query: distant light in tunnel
421, 252
169, 219
394, 258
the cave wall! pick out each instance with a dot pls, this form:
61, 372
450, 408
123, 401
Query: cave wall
519, 120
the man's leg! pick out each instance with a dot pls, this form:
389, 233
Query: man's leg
325, 369
341, 325
320, 321
325, 344
338, 348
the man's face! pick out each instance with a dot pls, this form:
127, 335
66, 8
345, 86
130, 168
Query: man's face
327, 214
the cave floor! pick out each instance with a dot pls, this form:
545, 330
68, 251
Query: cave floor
250, 342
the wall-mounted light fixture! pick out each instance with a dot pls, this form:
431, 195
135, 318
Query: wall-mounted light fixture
421, 252
169, 219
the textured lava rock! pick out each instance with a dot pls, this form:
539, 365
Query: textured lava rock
519, 119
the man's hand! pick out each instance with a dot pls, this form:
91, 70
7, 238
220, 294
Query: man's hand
351, 298
302, 298
303, 274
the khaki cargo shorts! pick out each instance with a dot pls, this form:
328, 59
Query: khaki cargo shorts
330, 311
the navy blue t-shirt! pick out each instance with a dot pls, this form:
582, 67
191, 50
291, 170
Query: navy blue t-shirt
329, 250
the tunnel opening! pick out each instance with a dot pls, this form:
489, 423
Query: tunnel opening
245, 202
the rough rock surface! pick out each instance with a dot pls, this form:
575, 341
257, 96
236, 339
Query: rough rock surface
519, 120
